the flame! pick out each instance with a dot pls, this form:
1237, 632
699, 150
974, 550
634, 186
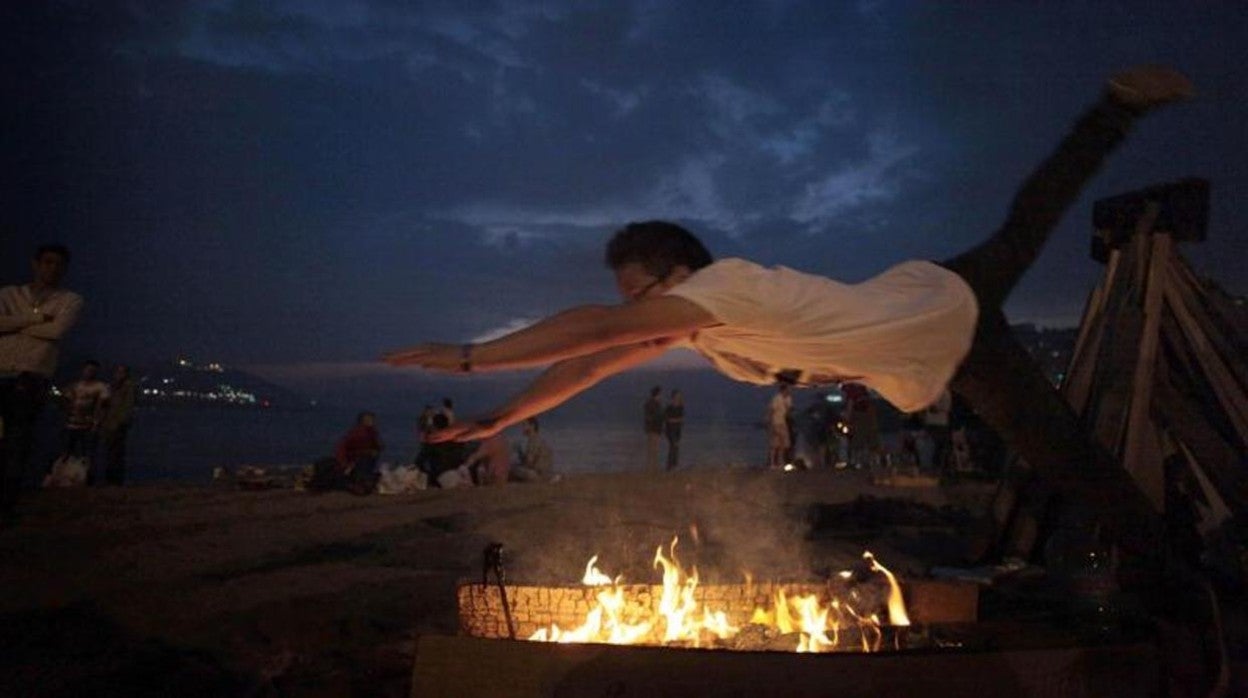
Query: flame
594, 576
682, 620
896, 604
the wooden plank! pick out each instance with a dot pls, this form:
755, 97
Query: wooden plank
1106, 413
464, 667
1218, 511
1082, 365
1140, 454
1219, 460
1228, 391
1227, 348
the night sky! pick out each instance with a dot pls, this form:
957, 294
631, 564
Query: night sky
296, 186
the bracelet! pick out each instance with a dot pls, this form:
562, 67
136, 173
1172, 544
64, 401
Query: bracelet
465, 358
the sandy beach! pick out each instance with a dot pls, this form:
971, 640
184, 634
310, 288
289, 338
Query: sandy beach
215, 591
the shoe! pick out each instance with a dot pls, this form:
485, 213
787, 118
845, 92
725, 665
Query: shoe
1146, 86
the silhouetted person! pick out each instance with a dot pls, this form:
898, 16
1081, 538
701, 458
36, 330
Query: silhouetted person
779, 438
652, 423
115, 427
673, 426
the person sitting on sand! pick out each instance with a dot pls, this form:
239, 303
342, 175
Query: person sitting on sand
357, 453
908, 333
536, 458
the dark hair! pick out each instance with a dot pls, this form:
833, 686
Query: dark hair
658, 246
446, 402
359, 418
532, 421
91, 362
441, 421
654, 392
53, 248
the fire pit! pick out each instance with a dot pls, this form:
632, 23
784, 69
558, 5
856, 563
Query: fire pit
850, 612
874, 634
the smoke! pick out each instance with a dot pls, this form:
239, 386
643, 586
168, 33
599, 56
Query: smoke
730, 524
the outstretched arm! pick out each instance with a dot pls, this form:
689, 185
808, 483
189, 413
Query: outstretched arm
555, 386
580, 331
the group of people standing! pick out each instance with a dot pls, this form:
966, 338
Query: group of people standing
99, 412
661, 421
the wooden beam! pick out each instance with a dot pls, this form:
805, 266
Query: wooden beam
1106, 413
1182, 417
1082, 366
1140, 454
1182, 208
1220, 378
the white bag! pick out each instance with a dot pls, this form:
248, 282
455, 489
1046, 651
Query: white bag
67, 471
400, 480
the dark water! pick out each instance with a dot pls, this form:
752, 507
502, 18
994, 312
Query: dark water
185, 444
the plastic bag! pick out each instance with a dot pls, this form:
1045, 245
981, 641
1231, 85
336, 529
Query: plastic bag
67, 471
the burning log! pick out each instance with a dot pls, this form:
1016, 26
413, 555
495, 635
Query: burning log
848, 613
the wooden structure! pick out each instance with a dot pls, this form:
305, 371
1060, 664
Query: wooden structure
1159, 373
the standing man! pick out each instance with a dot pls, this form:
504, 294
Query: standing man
33, 318
116, 424
673, 423
652, 421
864, 428
779, 438
86, 400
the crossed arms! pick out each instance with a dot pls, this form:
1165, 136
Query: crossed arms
586, 344
44, 326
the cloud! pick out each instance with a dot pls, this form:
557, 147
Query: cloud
799, 140
874, 179
731, 105
513, 325
290, 36
624, 101
691, 192
688, 192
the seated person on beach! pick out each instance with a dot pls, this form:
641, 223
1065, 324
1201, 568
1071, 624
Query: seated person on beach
908, 333
354, 465
536, 458
436, 458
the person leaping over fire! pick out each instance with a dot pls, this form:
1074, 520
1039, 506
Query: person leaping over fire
907, 333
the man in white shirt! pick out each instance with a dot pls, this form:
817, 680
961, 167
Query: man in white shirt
904, 333
33, 318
